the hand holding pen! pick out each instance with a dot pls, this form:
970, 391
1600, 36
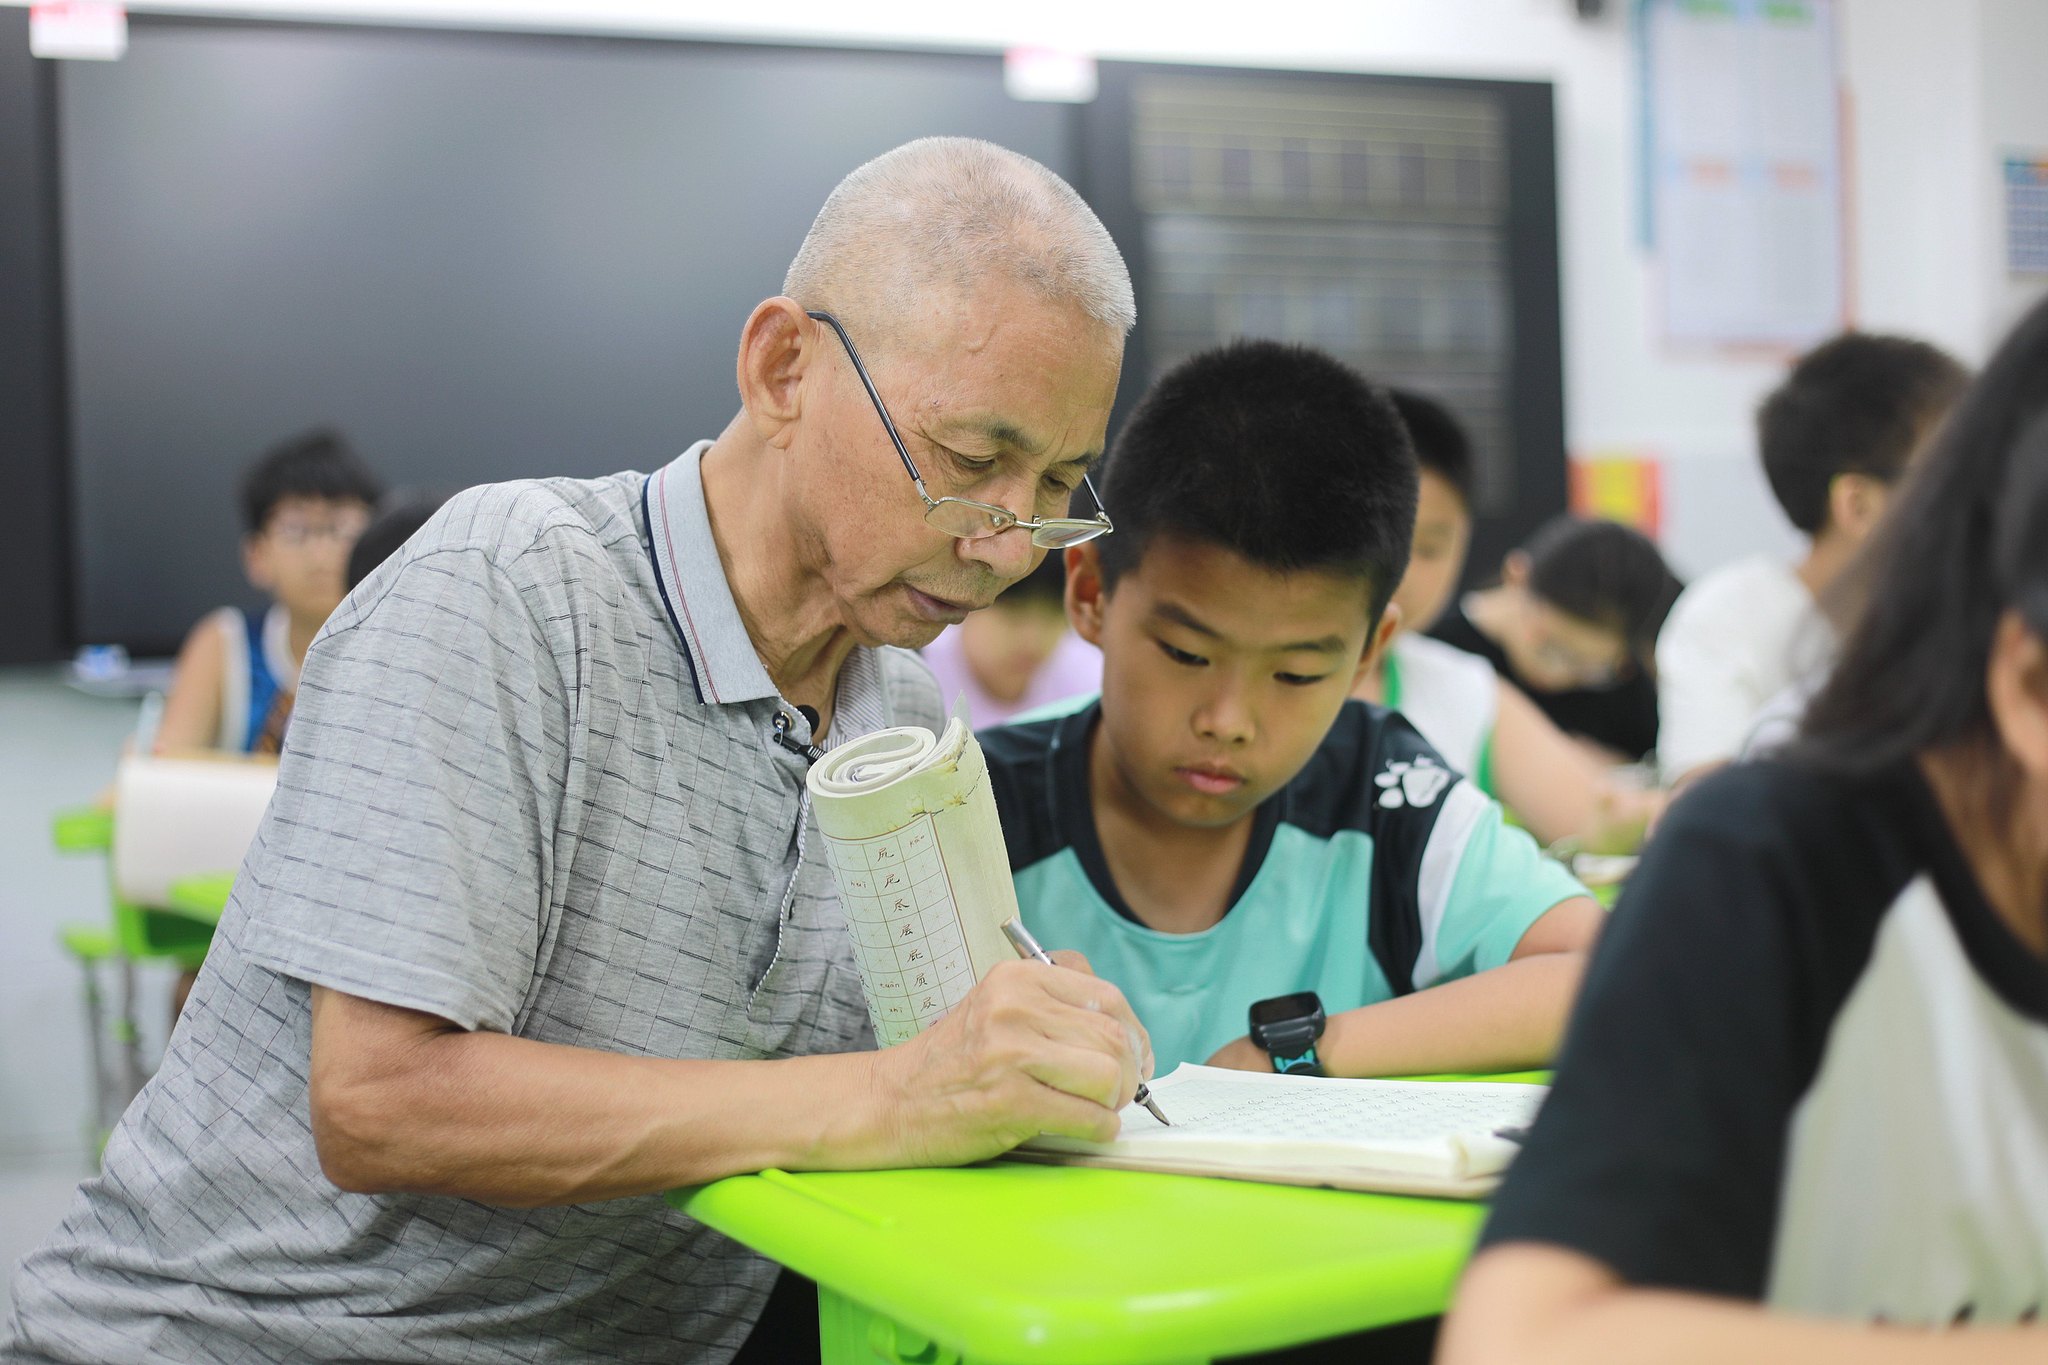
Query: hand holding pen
1027, 946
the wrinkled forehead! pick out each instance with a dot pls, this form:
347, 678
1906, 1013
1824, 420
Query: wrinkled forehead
1036, 381
932, 326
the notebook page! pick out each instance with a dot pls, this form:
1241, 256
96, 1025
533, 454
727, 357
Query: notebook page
1280, 1123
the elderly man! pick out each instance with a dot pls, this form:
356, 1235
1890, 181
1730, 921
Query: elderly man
533, 929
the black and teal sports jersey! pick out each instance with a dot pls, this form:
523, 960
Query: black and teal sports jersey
1377, 871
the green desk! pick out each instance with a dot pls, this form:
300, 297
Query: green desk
1011, 1264
202, 897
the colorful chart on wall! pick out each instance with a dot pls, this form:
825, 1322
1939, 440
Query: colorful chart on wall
1620, 485
1744, 171
2026, 214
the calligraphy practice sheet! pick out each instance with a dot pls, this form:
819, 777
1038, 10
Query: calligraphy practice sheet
911, 830
907, 938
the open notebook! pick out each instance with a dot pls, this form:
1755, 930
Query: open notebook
1395, 1137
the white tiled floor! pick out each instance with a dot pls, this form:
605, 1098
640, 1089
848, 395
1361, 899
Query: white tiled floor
33, 1197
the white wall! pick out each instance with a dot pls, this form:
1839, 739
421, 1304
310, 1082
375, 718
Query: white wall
1915, 214
1938, 106
2013, 118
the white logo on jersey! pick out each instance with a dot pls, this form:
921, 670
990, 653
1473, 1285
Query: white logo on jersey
1418, 783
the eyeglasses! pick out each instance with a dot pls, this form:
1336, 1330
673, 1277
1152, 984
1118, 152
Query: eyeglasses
1583, 672
342, 530
964, 517
1566, 660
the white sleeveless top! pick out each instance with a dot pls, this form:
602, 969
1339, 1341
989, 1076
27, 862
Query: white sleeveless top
1450, 695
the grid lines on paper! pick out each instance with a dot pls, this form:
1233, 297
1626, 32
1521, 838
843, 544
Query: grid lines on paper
1408, 1113
907, 939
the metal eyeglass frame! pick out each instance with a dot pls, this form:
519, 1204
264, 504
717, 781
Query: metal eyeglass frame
1048, 533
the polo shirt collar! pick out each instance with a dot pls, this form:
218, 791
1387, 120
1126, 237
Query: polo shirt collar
723, 661
699, 598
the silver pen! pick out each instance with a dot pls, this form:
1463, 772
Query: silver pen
1027, 946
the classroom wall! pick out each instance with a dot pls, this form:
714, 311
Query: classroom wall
1937, 107
1935, 86
1914, 213
2013, 118
32, 622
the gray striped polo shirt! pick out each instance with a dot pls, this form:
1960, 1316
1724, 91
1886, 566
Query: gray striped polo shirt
531, 786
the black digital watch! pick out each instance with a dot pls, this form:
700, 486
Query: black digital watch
1287, 1027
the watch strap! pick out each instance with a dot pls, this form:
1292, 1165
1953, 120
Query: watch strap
1302, 1064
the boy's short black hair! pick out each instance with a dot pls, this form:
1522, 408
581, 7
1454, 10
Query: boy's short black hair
393, 525
1441, 445
1963, 548
313, 464
1606, 573
1279, 453
1858, 404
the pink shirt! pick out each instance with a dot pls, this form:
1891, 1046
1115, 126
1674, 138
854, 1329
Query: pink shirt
1073, 669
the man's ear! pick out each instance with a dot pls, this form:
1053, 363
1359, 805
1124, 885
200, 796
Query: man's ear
1376, 646
1856, 503
1514, 570
2017, 688
1086, 594
777, 346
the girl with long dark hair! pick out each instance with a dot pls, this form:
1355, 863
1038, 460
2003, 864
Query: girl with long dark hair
1802, 1111
1573, 625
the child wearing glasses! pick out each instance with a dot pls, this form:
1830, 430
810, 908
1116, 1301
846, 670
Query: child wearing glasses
303, 505
1478, 720
1224, 828
1573, 624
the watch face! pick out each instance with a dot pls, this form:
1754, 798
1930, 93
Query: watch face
1284, 1008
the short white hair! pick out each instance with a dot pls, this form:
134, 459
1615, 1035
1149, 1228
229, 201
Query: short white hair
956, 211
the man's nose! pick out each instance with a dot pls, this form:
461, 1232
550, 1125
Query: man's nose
1006, 555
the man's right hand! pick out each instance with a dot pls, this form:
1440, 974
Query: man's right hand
1030, 1050
408, 1102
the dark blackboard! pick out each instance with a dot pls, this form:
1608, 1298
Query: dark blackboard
492, 255
482, 256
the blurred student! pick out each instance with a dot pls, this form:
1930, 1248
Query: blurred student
1803, 1112
1834, 437
1573, 624
1224, 827
303, 505
1471, 715
1018, 654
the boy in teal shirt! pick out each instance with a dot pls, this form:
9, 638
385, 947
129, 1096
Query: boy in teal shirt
1223, 827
